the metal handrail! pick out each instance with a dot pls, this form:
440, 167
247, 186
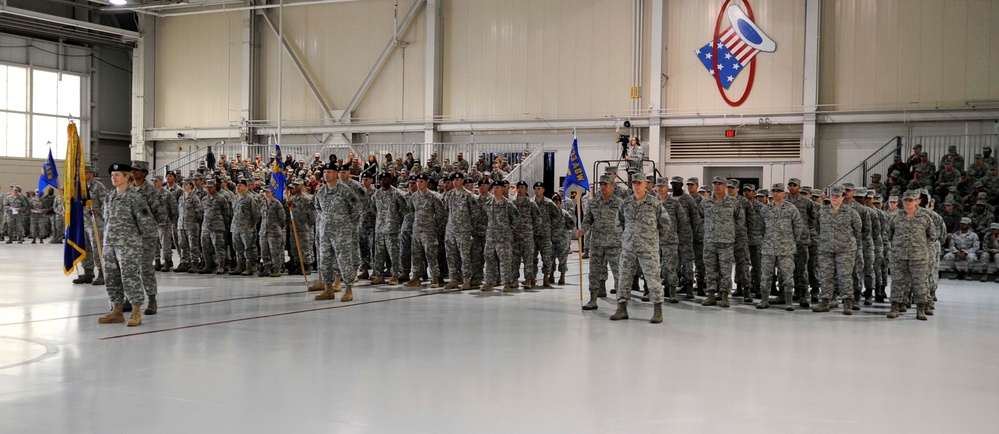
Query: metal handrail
897, 140
531, 168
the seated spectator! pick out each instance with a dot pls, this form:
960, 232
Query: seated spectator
953, 157
990, 251
978, 169
916, 157
963, 250
898, 166
924, 165
950, 215
946, 178
987, 157
919, 180
980, 217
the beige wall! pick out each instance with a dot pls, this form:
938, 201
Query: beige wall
23, 172
536, 58
779, 75
908, 54
198, 70
339, 44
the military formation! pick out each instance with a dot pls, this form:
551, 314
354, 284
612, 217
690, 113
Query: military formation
462, 225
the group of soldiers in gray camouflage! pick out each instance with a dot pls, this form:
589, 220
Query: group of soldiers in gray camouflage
32, 215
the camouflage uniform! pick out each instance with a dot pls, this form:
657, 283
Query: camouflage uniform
245, 215
59, 221
784, 227
863, 243
39, 221
910, 239
602, 220
272, 235
961, 241
391, 210
459, 205
502, 221
722, 219
933, 255
150, 239
428, 214
839, 234
741, 248
480, 221
366, 230
669, 245
406, 236
98, 195
523, 237
213, 245
338, 208
755, 231
646, 223
190, 214
127, 217
304, 213
808, 212
561, 242
691, 254
166, 232
876, 250
550, 217
16, 208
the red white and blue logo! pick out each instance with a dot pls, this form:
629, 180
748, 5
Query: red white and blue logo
734, 49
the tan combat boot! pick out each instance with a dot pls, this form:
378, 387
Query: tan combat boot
327, 294
136, 318
592, 304
621, 313
336, 284
546, 282
893, 313
318, 286
466, 284
488, 287
451, 284
710, 301
348, 295
657, 314
394, 281
561, 278
113, 317
377, 280
413, 283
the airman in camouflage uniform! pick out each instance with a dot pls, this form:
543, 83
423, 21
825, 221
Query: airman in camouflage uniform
166, 232
669, 246
390, 210
755, 228
808, 211
910, 231
780, 243
990, 251
304, 213
213, 225
16, 206
964, 246
245, 215
840, 228
127, 218
523, 236
150, 239
503, 219
190, 215
271, 234
98, 193
741, 248
366, 231
690, 253
601, 219
561, 243
549, 218
428, 214
459, 205
865, 241
339, 208
406, 232
723, 217
480, 221
645, 223
39, 220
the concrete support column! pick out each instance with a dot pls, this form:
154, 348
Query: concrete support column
143, 88
656, 93
248, 96
433, 103
810, 90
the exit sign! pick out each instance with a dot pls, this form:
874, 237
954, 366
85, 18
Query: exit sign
729, 133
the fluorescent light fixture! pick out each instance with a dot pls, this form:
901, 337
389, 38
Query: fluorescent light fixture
118, 2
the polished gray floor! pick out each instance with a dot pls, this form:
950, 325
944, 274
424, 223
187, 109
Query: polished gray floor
257, 355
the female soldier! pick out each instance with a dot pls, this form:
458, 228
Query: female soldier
126, 214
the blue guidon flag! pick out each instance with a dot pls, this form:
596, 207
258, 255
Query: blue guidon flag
278, 178
737, 45
576, 173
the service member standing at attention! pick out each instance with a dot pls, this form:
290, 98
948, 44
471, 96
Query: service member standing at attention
190, 213
339, 209
245, 214
669, 246
272, 235
503, 216
167, 231
213, 245
601, 220
459, 204
722, 215
127, 217
690, 253
304, 213
91, 216
550, 216
150, 238
808, 212
783, 230
839, 234
428, 212
390, 210
741, 248
523, 236
560, 238
910, 232
645, 224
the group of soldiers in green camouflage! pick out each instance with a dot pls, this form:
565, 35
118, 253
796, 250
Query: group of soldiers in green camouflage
30, 215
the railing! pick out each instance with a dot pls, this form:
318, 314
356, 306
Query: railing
621, 171
531, 169
189, 163
935, 147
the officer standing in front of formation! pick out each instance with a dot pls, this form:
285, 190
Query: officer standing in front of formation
127, 218
271, 235
390, 210
549, 217
645, 223
840, 228
338, 207
601, 220
428, 213
503, 218
150, 238
669, 245
910, 232
723, 216
459, 204
190, 214
783, 231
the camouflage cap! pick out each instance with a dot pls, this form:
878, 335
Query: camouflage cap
978, 155
693, 180
158, 178
849, 186
298, 182
871, 193
777, 187
662, 182
911, 195
718, 180
860, 192
610, 169
606, 179
987, 149
816, 192
749, 187
949, 200
762, 192
837, 190
703, 189
733, 183
994, 226
806, 188
952, 148
983, 195
918, 146
89, 169
877, 198
895, 174
639, 177
210, 182
140, 165
982, 202
677, 180
795, 181
965, 220
892, 198
875, 175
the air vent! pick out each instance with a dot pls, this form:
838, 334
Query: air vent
752, 150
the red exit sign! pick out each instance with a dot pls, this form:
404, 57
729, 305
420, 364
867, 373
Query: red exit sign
729, 133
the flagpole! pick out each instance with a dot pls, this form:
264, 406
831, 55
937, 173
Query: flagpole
97, 239
579, 237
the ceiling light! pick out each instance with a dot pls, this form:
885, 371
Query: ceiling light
118, 2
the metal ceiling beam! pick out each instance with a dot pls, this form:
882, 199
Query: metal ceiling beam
218, 7
125, 34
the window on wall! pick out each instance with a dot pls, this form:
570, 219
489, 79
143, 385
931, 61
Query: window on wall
32, 122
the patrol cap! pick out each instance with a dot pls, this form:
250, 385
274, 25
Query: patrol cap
116, 167
210, 182
918, 146
521, 184
606, 179
677, 180
877, 198
89, 169
952, 148
806, 188
538, 184
762, 192
860, 192
704, 189
298, 182
794, 181
779, 186
733, 183
978, 155
965, 220
895, 173
330, 166
639, 177
158, 178
849, 186
140, 165
892, 198
187, 181
875, 175
911, 195
837, 190
718, 180
199, 176
983, 195
994, 226
987, 149
749, 187
610, 169
982, 202
662, 182
693, 180
870, 193
949, 201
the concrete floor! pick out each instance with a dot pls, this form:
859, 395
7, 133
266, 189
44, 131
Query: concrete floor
257, 355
